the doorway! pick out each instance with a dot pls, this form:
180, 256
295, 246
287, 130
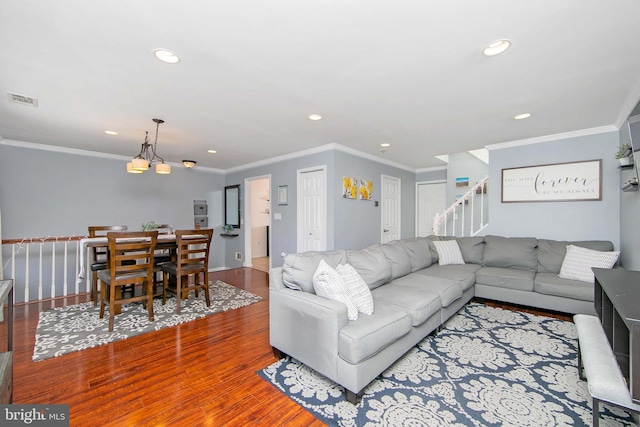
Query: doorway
431, 199
257, 222
312, 209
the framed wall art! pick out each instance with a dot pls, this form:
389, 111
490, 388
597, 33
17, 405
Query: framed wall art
558, 182
283, 195
366, 189
349, 187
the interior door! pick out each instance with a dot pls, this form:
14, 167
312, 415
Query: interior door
432, 199
312, 213
390, 208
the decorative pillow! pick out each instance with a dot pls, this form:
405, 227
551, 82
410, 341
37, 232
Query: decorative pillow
578, 262
329, 284
448, 252
359, 292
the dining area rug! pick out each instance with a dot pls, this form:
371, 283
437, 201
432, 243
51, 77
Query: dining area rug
77, 327
487, 367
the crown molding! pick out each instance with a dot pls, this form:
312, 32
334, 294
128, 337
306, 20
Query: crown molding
316, 150
79, 152
554, 137
432, 169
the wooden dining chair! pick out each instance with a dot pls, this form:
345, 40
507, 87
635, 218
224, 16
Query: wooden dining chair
99, 260
130, 262
191, 267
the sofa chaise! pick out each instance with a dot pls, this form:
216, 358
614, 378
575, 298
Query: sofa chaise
415, 286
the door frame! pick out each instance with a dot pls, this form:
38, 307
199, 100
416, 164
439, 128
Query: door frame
435, 181
399, 180
299, 211
246, 213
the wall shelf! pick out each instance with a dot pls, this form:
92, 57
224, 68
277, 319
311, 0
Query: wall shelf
626, 166
229, 234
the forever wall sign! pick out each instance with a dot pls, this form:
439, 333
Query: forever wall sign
578, 181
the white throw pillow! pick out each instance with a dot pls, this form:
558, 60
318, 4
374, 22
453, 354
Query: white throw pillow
578, 261
359, 292
329, 284
448, 252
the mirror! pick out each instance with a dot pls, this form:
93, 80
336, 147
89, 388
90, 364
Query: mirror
232, 205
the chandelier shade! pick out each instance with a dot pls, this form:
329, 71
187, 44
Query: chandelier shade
148, 156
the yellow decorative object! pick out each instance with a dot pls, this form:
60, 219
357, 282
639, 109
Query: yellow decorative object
349, 187
366, 189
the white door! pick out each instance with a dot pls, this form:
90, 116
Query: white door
432, 199
312, 209
390, 208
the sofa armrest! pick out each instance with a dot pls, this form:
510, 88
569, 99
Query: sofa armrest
306, 327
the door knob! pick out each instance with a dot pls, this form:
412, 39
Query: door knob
385, 231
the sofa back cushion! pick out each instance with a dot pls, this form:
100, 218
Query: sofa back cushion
418, 251
472, 248
551, 253
511, 252
398, 258
298, 269
371, 264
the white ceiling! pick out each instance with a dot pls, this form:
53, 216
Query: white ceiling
408, 73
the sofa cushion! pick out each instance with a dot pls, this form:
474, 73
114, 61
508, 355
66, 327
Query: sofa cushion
418, 251
448, 252
359, 292
551, 284
398, 258
371, 265
448, 290
298, 269
472, 248
419, 304
551, 253
328, 283
578, 262
506, 278
463, 274
368, 335
511, 252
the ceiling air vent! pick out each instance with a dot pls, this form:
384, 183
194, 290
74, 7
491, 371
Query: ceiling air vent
24, 100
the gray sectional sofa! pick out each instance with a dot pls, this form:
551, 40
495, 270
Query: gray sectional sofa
413, 296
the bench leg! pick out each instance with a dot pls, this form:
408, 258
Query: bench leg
595, 408
278, 354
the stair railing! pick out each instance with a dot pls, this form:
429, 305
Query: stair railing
472, 204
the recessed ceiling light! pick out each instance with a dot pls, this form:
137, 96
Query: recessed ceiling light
167, 56
496, 47
111, 132
315, 117
211, 151
522, 116
385, 145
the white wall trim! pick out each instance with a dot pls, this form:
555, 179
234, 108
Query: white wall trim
79, 152
554, 137
432, 169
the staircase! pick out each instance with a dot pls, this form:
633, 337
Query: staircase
467, 216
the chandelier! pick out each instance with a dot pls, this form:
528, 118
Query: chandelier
148, 156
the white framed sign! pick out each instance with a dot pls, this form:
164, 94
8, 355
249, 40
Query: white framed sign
558, 182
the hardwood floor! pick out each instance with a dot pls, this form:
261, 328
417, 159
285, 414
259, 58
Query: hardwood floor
198, 373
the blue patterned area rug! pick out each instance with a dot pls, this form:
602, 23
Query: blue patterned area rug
487, 367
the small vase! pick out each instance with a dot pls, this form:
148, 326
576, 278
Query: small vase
625, 161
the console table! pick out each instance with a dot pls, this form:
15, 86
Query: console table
6, 358
617, 303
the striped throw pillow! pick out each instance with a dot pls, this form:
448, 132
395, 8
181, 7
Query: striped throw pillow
329, 284
358, 290
578, 262
448, 252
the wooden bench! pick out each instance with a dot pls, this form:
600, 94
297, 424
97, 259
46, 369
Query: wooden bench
604, 377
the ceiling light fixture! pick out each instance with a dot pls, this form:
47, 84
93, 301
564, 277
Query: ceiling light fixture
522, 116
189, 163
315, 117
385, 145
148, 156
496, 47
167, 56
111, 132
211, 151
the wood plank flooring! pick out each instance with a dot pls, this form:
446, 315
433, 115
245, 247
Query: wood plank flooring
201, 373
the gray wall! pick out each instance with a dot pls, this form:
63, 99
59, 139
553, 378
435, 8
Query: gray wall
358, 222
46, 193
593, 220
432, 175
